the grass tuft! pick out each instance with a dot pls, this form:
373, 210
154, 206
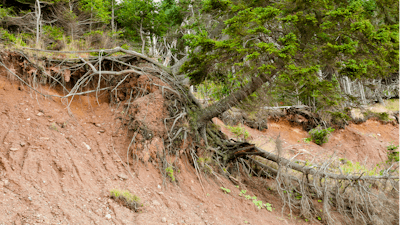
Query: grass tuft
125, 197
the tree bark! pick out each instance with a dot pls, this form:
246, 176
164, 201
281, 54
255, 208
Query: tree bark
38, 15
233, 99
141, 36
112, 17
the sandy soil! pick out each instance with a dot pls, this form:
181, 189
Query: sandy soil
58, 169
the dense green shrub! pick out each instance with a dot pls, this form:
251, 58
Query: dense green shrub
53, 32
319, 135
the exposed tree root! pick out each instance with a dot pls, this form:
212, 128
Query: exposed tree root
320, 192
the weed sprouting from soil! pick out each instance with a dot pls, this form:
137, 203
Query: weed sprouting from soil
319, 135
126, 198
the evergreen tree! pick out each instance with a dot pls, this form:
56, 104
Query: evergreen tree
292, 42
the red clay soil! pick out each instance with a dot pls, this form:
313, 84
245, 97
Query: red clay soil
56, 168
365, 143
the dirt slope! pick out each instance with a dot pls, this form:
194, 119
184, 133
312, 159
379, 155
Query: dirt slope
58, 169
365, 143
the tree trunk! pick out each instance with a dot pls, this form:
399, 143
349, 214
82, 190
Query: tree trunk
141, 36
112, 17
233, 99
38, 15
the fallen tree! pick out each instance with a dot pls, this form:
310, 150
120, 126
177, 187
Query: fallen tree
353, 197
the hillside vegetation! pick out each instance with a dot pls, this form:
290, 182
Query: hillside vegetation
170, 68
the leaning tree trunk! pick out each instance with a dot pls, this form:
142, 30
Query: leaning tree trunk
230, 101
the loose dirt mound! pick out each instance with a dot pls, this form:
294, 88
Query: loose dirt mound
59, 169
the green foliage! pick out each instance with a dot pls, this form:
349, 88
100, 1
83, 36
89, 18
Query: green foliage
239, 131
339, 117
350, 167
384, 116
130, 200
307, 140
133, 15
99, 8
7, 37
258, 203
392, 147
302, 46
53, 32
5, 12
319, 135
171, 13
170, 172
393, 155
226, 190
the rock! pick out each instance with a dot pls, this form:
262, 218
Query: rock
218, 205
156, 203
164, 220
40, 114
30, 199
6, 183
159, 187
123, 176
87, 146
102, 131
13, 149
98, 125
108, 216
182, 206
22, 144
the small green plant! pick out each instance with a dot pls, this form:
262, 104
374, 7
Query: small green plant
170, 173
268, 206
53, 126
383, 116
258, 203
319, 135
7, 37
127, 198
239, 131
226, 190
393, 155
307, 140
392, 147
